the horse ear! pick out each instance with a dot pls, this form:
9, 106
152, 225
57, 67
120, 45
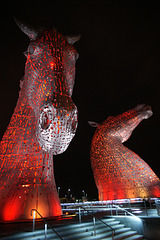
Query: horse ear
72, 38
93, 124
31, 32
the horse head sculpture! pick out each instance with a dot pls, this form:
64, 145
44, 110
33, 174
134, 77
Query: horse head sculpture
48, 84
120, 173
42, 125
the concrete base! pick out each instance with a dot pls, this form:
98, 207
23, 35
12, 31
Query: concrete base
149, 227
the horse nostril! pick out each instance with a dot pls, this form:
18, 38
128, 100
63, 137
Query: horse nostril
46, 117
45, 122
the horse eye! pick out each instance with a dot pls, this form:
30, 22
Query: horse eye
31, 49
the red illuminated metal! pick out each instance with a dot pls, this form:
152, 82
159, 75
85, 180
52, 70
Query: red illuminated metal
42, 125
118, 172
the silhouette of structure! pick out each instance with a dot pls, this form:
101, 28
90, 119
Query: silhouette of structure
119, 173
42, 125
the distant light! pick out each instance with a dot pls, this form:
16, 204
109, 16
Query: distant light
136, 211
27, 185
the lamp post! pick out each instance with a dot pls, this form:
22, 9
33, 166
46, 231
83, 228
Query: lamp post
58, 190
83, 193
69, 193
84, 196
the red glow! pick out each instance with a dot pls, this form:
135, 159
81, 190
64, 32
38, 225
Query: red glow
52, 64
11, 209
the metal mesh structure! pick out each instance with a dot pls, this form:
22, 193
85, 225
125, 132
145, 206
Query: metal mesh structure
42, 125
120, 173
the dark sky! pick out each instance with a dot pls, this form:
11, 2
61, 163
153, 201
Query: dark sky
118, 68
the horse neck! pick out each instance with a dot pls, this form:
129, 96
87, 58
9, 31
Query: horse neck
19, 137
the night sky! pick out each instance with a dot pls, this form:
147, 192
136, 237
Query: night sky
118, 68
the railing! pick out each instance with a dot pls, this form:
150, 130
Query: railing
124, 210
95, 217
127, 212
35, 210
136, 206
